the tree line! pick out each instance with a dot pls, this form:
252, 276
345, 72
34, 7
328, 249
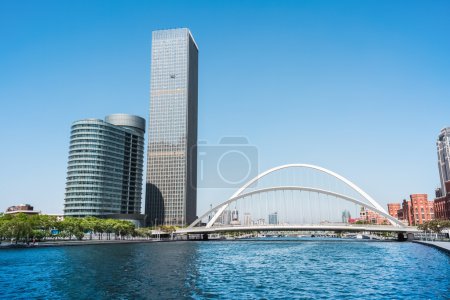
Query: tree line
23, 228
436, 225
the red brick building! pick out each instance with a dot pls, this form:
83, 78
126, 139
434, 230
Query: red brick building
442, 204
371, 217
414, 211
393, 209
418, 209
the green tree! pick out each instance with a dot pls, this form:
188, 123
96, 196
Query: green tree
19, 227
73, 227
144, 232
41, 225
89, 225
99, 228
109, 227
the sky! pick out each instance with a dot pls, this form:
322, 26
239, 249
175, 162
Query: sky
358, 87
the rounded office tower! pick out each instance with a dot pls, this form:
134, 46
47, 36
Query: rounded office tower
124, 120
105, 168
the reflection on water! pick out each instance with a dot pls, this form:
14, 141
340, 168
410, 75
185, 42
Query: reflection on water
226, 269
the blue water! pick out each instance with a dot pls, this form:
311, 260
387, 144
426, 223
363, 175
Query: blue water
262, 269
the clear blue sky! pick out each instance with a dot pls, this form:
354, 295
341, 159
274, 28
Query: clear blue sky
359, 87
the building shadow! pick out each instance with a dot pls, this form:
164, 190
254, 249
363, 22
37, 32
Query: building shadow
154, 206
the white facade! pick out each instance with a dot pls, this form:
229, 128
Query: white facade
443, 152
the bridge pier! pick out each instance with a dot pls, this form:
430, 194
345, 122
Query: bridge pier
410, 237
205, 237
401, 237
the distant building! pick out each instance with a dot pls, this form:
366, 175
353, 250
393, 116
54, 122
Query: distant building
443, 152
393, 209
372, 217
247, 219
353, 220
235, 217
226, 217
21, 208
260, 221
346, 216
104, 173
273, 218
418, 209
59, 217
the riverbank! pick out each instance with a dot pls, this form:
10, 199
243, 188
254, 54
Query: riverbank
62, 243
444, 246
72, 243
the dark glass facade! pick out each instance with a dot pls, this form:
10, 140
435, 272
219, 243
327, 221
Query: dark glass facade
172, 155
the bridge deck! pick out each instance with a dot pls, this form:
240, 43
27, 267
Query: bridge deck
322, 227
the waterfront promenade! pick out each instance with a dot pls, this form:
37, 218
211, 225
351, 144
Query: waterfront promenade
444, 246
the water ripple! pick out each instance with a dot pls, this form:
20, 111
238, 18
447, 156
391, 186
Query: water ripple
260, 269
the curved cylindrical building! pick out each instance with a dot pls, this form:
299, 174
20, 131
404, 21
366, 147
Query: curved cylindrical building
104, 174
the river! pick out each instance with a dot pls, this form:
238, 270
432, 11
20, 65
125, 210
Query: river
256, 269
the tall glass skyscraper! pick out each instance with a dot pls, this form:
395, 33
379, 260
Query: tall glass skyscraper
443, 151
171, 197
104, 174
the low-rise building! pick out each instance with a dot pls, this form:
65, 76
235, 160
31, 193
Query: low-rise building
418, 209
442, 208
372, 217
22, 208
442, 203
414, 211
393, 209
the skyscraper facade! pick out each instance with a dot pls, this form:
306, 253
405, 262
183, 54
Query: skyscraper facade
172, 137
443, 151
104, 174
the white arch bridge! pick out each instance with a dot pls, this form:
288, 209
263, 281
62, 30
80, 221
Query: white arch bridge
305, 205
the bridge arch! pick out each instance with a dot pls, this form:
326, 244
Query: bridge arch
307, 189
374, 205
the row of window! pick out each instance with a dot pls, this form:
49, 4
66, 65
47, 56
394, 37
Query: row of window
110, 142
107, 127
104, 147
98, 158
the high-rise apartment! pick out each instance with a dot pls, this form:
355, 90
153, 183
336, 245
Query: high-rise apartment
171, 197
443, 151
104, 173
